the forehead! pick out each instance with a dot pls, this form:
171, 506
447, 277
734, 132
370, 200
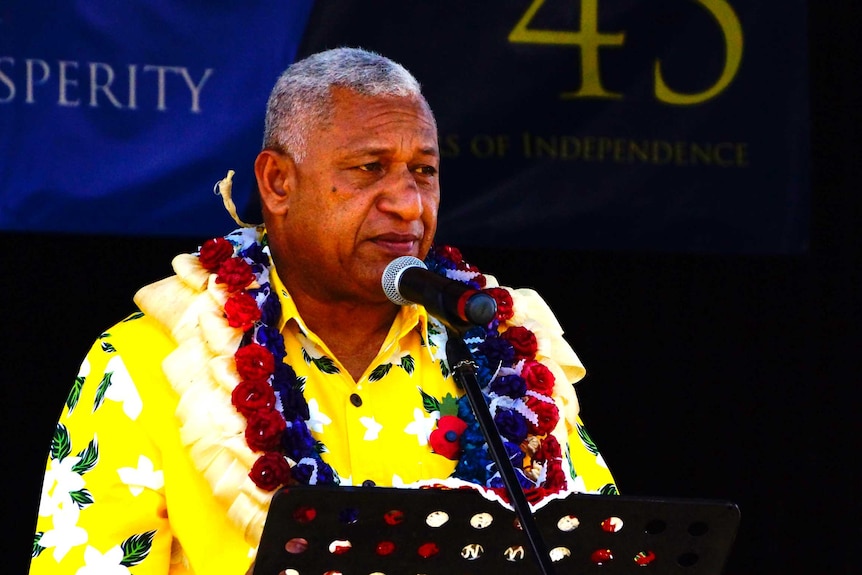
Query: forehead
357, 120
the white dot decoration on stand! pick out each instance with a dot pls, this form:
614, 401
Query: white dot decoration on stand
437, 518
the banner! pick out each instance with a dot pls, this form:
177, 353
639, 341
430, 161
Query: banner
118, 118
660, 125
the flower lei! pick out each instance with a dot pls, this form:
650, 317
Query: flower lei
269, 394
518, 390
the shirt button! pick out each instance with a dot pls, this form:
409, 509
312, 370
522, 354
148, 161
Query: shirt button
355, 399
368, 483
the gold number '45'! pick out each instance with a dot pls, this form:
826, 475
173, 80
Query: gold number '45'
590, 39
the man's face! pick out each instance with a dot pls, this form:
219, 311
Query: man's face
366, 192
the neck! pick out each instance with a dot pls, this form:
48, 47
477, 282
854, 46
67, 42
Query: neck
354, 332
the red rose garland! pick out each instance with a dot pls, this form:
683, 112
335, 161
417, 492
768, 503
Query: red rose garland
504, 303
547, 415
241, 311
538, 377
265, 393
214, 252
235, 273
250, 397
264, 429
523, 341
254, 362
270, 471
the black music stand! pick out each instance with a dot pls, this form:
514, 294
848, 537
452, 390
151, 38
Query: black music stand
373, 530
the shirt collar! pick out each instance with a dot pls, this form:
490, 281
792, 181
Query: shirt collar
408, 318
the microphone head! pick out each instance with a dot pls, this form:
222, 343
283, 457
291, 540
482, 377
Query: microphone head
392, 277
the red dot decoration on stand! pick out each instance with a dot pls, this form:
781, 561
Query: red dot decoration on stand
644, 558
612, 525
602, 556
340, 547
394, 517
428, 550
385, 548
304, 514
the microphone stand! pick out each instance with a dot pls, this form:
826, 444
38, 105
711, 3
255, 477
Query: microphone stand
464, 372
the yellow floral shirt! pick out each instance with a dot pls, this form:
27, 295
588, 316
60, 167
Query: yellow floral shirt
137, 482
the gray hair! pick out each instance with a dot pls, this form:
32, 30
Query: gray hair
302, 95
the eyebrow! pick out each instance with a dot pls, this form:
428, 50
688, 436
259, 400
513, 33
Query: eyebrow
431, 151
381, 150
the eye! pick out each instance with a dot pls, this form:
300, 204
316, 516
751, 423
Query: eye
370, 167
426, 170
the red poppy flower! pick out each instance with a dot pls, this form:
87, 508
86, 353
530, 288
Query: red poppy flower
446, 439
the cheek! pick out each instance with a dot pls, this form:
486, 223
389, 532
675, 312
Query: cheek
430, 225
431, 204
344, 219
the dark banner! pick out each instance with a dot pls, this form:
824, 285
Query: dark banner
670, 125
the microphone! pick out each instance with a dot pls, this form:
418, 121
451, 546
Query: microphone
407, 280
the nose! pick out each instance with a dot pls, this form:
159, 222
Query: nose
401, 195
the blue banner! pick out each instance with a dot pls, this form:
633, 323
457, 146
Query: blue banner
119, 117
668, 125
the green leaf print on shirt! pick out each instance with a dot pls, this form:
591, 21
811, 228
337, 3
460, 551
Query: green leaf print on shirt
61, 444
75, 393
89, 457
136, 548
102, 390
380, 372
587, 440
37, 549
323, 363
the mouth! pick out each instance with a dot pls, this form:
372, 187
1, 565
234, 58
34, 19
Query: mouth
399, 244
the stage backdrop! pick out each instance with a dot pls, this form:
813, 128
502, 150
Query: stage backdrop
671, 125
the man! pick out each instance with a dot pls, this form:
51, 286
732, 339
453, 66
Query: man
273, 357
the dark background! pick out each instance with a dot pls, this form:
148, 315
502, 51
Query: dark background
715, 376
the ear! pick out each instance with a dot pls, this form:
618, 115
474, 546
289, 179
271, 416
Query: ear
276, 178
